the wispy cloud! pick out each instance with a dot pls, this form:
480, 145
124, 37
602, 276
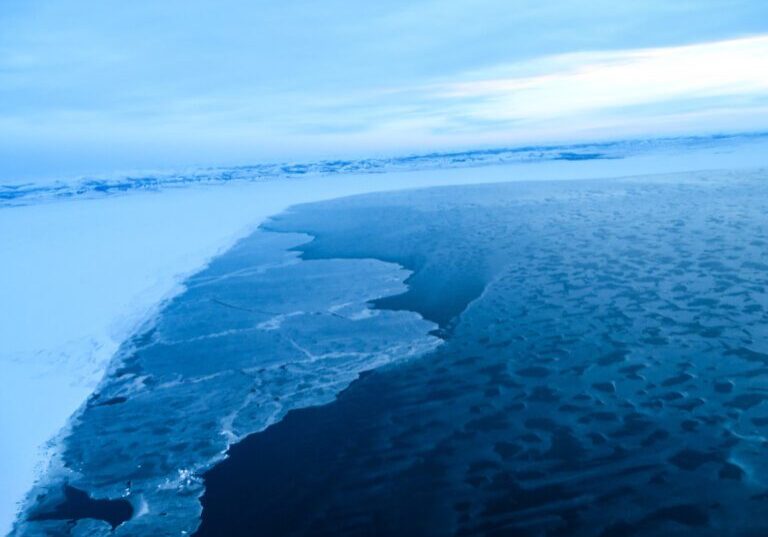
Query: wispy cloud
574, 84
716, 86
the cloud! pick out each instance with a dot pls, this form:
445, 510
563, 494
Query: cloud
189, 81
573, 84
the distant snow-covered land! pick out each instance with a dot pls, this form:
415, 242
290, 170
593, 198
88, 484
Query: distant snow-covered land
86, 262
24, 192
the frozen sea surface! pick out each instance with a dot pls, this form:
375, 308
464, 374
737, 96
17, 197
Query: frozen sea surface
86, 268
256, 334
604, 356
605, 370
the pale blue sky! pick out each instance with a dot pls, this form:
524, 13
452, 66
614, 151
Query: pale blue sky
95, 85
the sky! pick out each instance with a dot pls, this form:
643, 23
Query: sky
92, 86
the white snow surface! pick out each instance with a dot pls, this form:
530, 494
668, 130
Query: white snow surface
77, 277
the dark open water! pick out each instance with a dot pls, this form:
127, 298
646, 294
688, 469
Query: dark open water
605, 371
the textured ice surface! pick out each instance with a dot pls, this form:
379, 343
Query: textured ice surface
605, 371
256, 334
